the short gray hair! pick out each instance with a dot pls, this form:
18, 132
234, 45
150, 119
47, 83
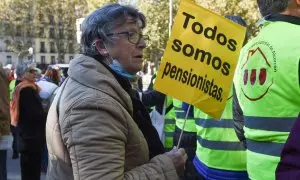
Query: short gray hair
23, 67
267, 7
100, 23
6, 71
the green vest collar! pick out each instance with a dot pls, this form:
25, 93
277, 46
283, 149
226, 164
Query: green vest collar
280, 17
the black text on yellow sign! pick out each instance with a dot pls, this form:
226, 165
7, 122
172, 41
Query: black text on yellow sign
200, 58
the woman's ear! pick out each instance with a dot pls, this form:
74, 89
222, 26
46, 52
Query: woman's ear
101, 47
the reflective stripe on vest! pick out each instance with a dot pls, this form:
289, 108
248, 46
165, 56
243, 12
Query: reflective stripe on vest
190, 125
267, 148
279, 124
221, 145
222, 123
178, 108
169, 121
169, 134
181, 115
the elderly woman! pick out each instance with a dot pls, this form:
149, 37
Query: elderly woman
97, 128
27, 113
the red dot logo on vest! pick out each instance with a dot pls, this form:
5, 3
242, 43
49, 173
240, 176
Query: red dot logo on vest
256, 76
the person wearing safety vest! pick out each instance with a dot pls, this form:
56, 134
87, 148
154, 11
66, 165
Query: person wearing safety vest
169, 126
267, 94
12, 86
189, 137
220, 155
161, 103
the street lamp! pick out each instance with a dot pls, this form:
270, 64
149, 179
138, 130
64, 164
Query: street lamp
30, 50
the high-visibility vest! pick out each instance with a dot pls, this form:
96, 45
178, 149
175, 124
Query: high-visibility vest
219, 155
190, 125
12, 86
169, 126
267, 87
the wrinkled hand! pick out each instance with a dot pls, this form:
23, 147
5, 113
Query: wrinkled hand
179, 158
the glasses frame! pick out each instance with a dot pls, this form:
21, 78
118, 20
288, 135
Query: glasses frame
129, 34
32, 71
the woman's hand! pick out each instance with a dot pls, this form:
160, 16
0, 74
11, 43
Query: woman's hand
179, 158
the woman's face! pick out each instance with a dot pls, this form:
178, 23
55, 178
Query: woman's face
128, 53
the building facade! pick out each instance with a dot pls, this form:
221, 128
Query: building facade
51, 38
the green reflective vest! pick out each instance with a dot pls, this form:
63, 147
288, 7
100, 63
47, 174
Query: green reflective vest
169, 126
267, 87
190, 125
217, 144
12, 86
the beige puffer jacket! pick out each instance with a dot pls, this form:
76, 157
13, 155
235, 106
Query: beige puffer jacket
95, 137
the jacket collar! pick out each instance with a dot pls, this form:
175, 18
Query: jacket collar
91, 73
285, 18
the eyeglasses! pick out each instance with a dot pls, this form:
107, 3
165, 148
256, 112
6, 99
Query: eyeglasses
32, 71
133, 37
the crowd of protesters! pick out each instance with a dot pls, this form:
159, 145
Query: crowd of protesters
90, 123
30, 94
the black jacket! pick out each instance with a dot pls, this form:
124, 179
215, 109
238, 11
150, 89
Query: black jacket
151, 97
32, 120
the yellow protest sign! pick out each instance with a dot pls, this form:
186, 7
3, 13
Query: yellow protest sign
200, 58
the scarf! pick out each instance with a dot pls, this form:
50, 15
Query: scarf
140, 114
14, 104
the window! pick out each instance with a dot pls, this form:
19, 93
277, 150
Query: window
41, 32
52, 47
51, 19
8, 60
70, 36
41, 17
29, 43
7, 43
52, 59
61, 33
42, 47
29, 32
43, 60
71, 48
51, 33
29, 18
18, 31
7, 28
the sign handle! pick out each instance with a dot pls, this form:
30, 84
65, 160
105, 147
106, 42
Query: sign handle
186, 115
